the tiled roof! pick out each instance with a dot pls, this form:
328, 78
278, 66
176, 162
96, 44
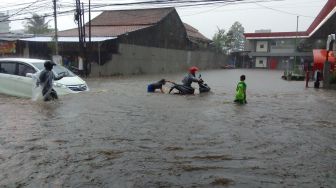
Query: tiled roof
118, 22
194, 33
131, 17
329, 8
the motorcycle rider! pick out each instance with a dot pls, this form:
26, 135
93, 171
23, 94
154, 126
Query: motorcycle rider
186, 88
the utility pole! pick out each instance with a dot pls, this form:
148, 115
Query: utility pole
56, 35
90, 24
296, 38
79, 17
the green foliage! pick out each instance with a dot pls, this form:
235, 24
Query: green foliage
333, 78
231, 41
37, 25
235, 38
219, 40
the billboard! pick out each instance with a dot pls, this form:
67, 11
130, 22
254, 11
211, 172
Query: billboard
7, 47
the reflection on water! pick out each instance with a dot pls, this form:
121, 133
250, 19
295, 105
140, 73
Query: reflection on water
117, 135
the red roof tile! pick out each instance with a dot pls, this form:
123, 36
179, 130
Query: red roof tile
131, 17
194, 33
117, 22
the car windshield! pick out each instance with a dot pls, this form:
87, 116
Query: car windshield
58, 70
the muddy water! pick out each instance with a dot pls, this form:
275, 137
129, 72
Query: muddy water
117, 135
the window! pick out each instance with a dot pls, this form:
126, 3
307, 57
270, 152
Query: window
7, 67
24, 69
261, 62
261, 45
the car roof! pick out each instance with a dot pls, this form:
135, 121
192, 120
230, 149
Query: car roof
24, 60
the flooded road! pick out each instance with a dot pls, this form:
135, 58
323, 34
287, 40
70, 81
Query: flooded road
117, 135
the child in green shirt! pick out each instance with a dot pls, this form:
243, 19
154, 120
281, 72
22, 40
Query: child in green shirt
241, 91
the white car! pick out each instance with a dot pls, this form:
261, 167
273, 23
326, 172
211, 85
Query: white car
16, 77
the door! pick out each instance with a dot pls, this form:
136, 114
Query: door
13, 80
24, 84
273, 63
7, 78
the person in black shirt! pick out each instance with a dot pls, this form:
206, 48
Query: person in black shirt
157, 85
46, 79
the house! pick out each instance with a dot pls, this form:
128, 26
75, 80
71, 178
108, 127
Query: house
281, 50
137, 41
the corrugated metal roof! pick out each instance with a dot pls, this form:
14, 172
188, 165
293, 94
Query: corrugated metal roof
103, 31
66, 39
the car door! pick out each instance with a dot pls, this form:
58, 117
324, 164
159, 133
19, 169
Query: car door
24, 84
8, 79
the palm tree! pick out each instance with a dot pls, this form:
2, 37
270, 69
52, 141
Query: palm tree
37, 25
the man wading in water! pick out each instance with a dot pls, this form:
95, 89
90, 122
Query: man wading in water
46, 81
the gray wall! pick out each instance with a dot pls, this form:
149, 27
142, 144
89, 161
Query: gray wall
133, 59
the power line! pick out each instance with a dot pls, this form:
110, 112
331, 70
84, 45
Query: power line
20, 10
285, 12
96, 7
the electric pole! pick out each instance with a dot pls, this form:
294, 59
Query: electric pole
79, 17
56, 36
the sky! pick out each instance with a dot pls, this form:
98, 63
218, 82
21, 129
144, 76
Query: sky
278, 16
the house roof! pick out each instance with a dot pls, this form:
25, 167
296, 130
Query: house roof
327, 11
114, 23
194, 33
103, 31
133, 17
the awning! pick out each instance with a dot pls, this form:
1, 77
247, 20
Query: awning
66, 39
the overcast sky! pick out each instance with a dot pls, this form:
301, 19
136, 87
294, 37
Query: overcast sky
277, 16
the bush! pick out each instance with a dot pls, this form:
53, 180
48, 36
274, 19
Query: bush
333, 78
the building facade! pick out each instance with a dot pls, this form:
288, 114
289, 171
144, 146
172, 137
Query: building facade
136, 41
284, 50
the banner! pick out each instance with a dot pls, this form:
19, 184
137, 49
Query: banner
7, 47
320, 58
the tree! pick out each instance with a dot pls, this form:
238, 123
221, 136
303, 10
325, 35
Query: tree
37, 25
219, 40
235, 38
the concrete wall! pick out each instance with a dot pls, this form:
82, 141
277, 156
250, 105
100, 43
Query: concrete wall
133, 59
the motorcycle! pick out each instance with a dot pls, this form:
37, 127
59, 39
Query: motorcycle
203, 87
184, 90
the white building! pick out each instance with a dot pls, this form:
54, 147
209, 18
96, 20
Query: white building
4, 25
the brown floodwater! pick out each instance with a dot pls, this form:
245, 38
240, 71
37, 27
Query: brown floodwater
118, 135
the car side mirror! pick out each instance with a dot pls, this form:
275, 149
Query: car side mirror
30, 75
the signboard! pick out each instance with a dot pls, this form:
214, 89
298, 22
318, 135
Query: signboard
320, 57
7, 47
